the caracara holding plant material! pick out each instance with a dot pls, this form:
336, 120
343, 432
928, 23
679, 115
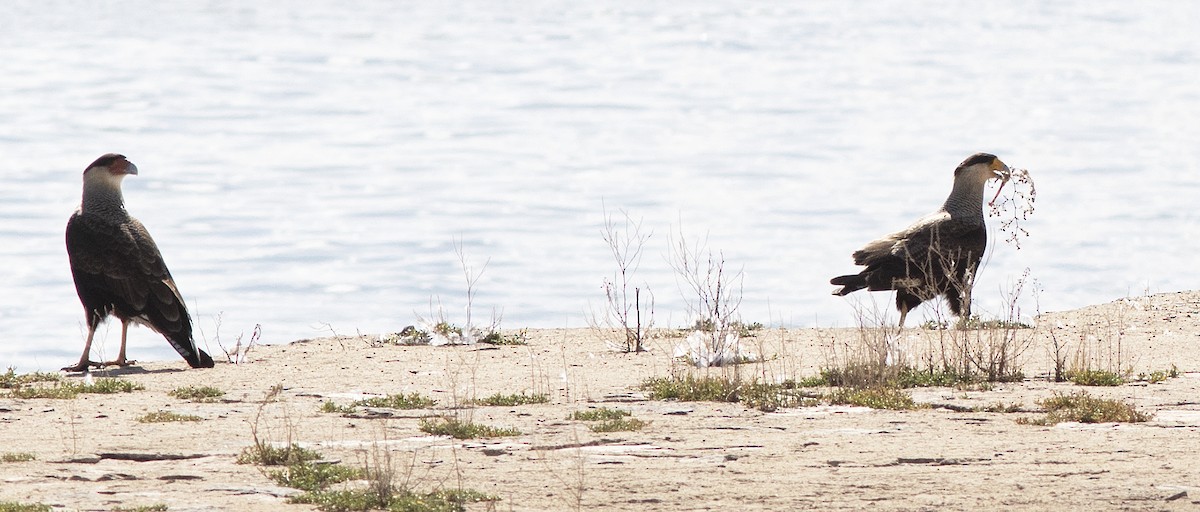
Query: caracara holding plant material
939, 253
118, 269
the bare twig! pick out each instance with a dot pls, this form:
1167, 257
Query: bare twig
712, 295
438, 330
1020, 202
622, 314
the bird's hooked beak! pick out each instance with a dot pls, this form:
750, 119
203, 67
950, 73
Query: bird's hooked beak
1002, 173
129, 168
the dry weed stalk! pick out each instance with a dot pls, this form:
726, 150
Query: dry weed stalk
388, 479
1020, 203
462, 395
872, 358
990, 350
238, 354
262, 444
625, 317
784, 362
1101, 345
712, 295
70, 420
471, 279
438, 330
380, 470
972, 351
574, 480
1058, 348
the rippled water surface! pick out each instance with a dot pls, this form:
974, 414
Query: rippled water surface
312, 169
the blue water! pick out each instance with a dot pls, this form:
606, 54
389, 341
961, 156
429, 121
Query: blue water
312, 169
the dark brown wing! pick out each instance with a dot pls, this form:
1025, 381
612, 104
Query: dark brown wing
935, 255
938, 260
118, 269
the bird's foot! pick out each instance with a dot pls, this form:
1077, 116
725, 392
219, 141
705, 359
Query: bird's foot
122, 362
82, 367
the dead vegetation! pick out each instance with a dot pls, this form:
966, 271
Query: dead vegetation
1016, 208
626, 318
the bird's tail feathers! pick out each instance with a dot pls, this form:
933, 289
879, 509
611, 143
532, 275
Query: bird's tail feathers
849, 283
195, 357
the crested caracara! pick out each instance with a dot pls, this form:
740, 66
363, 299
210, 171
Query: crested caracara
939, 253
118, 269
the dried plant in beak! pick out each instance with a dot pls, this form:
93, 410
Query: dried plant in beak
1015, 207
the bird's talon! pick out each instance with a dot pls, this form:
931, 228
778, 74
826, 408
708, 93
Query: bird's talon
120, 363
81, 367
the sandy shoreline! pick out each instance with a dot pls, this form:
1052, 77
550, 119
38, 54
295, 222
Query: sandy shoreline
691, 456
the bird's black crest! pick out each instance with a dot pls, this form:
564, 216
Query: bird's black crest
978, 158
106, 160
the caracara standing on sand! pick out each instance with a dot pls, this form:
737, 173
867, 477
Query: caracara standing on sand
938, 254
118, 269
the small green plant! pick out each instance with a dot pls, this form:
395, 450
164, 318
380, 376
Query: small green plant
1095, 378
410, 335
315, 478
598, 414
409, 401
397, 500
772, 397
1001, 407
502, 400
263, 454
167, 417
1084, 408
447, 329
12, 506
110, 386
310, 477
463, 429
10, 379
405, 402
143, 508
875, 398
17, 457
748, 330
975, 323
197, 394
762, 396
333, 408
813, 381
872, 375
495, 338
608, 420
743, 329
689, 388
65, 390
451, 334
1157, 376
618, 425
